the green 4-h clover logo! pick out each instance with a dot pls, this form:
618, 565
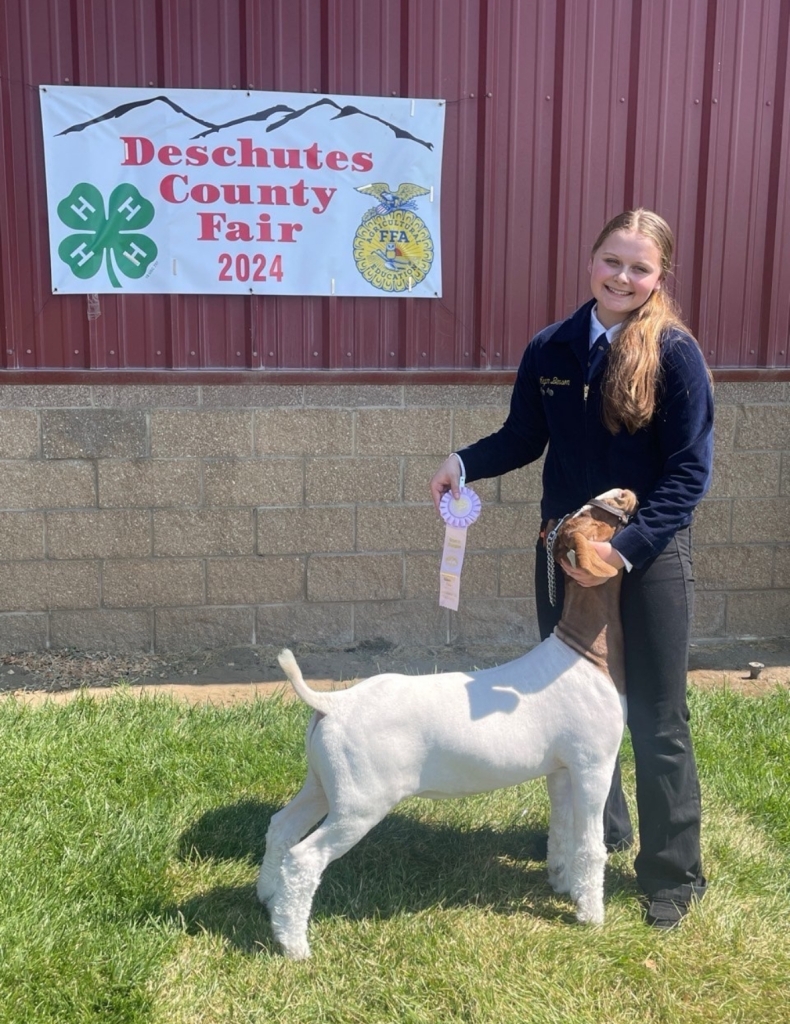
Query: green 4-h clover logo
116, 235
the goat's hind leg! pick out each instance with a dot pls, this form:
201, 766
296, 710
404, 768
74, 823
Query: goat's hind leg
287, 827
560, 849
302, 867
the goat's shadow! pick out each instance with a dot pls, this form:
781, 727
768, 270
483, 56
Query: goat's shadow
403, 865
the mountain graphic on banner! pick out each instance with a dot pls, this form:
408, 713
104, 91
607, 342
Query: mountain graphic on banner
348, 110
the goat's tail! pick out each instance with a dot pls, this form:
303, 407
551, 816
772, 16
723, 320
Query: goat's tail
320, 701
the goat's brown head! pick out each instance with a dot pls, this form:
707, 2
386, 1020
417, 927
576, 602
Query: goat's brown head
599, 520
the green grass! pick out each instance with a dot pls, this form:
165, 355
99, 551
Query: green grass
131, 830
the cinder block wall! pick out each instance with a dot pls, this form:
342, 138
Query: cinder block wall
174, 518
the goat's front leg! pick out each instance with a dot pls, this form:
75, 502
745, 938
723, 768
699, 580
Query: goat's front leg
286, 829
590, 789
561, 842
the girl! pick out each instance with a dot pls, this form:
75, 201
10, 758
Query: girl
621, 395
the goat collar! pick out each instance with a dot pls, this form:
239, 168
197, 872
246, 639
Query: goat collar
618, 513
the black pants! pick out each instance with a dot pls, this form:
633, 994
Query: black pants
656, 607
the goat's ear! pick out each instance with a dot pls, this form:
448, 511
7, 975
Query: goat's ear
587, 557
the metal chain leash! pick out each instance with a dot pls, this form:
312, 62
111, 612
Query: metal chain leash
551, 564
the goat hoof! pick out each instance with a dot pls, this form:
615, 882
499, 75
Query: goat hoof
297, 950
559, 881
592, 917
264, 893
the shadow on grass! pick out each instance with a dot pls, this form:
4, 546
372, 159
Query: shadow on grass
402, 866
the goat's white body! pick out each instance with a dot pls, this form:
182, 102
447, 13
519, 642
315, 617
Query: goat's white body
550, 712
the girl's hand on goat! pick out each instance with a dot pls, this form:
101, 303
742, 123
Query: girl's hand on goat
446, 478
606, 553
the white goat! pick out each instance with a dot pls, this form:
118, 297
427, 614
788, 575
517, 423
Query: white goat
558, 711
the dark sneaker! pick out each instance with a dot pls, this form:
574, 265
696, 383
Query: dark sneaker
666, 914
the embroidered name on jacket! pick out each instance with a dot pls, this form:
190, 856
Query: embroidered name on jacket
547, 384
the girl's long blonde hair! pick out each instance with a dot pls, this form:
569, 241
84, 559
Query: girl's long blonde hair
633, 376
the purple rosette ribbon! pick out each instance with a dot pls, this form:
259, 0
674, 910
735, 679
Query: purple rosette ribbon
458, 513
461, 511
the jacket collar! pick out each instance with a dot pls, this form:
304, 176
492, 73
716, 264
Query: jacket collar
575, 332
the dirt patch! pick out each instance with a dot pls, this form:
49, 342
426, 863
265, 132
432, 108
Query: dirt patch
241, 673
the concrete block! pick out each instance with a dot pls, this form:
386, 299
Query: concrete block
505, 526
495, 621
196, 629
188, 434
23, 632
18, 434
459, 396
39, 586
417, 473
148, 483
404, 432
470, 424
748, 392
251, 396
761, 519
249, 482
724, 428
100, 534
782, 567
21, 535
420, 622
729, 567
255, 580
758, 613
303, 432
763, 427
32, 485
479, 577
93, 434
517, 573
784, 487
710, 616
285, 531
197, 533
354, 396
45, 396
102, 630
400, 527
746, 474
524, 484
330, 624
712, 521
146, 396
354, 577
347, 481
152, 583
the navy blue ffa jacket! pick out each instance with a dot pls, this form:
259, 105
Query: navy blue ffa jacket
667, 463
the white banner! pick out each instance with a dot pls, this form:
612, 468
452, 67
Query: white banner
235, 192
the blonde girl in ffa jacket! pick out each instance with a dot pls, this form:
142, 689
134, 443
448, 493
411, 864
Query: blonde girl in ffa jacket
618, 395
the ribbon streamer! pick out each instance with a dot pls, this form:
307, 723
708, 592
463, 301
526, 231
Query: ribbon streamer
459, 513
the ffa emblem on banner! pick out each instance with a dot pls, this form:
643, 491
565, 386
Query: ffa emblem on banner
393, 249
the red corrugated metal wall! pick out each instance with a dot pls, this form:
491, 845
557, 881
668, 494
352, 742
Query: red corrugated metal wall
560, 113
